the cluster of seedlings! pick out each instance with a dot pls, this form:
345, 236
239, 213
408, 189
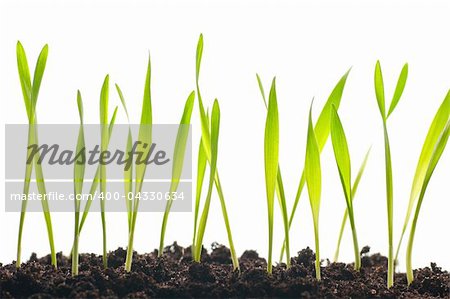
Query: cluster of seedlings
328, 123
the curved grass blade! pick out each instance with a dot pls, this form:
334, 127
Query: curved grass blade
79, 170
342, 157
128, 169
353, 193
144, 138
379, 90
206, 142
434, 132
401, 82
271, 140
201, 167
215, 125
178, 161
322, 131
437, 153
313, 178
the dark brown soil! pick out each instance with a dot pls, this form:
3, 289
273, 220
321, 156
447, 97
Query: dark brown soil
175, 275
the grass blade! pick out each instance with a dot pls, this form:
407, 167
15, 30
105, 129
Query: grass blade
342, 157
178, 161
201, 167
322, 131
128, 169
104, 99
313, 178
271, 140
434, 132
215, 125
144, 137
437, 153
401, 82
354, 189
379, 90
206, 142
79, 169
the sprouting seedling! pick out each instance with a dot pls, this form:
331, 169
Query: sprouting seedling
355, 185
434, 132
342, 157
437, 152
215, 125
128, 171
322, 131
313, 177
78, 179
104, 99
177, 162
272, 171
379, 92
30, 93
144, 138
96, 180
206, 147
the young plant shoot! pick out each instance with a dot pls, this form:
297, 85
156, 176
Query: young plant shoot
78, 179
343, 162
215, 125
322, 131
362, 167
379, 92
279, 186
30, 93
206, 147
432, 150
313, 177
104, 98
144, 137
434, 132
178, 161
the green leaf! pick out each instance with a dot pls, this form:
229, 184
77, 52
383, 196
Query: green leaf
144, 137
434, 132
362, 167
271, 140
215, 124
313, 178
322, 131
401, 82
24, 76
437, 153
379, 90
201, 167
342, 157
177, 161
261, 89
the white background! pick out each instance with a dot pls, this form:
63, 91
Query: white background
307, 46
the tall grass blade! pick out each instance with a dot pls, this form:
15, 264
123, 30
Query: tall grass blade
30, 94
437, 153
271, 140
401, 82
104, 99
177, 162
78, 177
434, 132
206, 142
322, 131
342, 157
215, 125
144, 138
313, 178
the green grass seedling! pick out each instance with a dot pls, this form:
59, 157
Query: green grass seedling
78, 179
379, 92
206, 148
313, 177
30, 93
342, 157
178, 161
